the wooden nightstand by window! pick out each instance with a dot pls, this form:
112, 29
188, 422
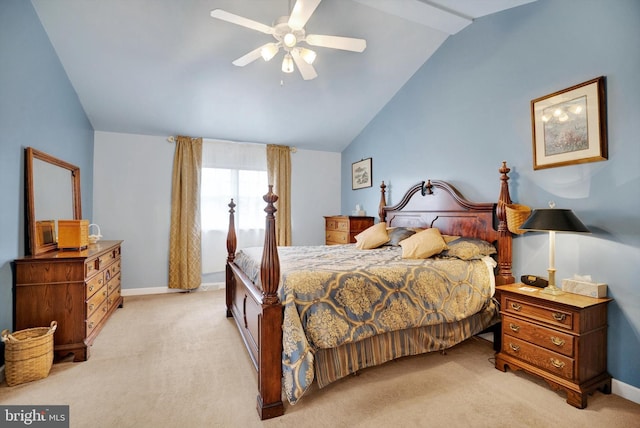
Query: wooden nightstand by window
562, 339
341, 229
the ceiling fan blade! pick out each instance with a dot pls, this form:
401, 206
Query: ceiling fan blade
250, 57
337, 42
301, 13
242, 21
306, 70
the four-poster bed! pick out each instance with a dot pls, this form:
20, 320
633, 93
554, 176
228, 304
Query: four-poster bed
262, 311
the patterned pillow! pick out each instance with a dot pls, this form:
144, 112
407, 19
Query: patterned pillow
423, 244
372, 237
397, 234
468, 249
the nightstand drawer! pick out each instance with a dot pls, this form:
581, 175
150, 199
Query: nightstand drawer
547, 338
546, 314
540, 357
341, 224
333, 237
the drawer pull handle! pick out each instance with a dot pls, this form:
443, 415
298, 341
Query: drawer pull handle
556, 363
514, 327
90, 288
516, 307
557, 341
558, 316
91, 306
91, 325
513, 347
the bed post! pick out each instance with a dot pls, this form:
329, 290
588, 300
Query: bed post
270, 324
505, 275
383, 203
231, 255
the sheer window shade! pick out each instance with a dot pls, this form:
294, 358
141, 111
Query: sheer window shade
238, 171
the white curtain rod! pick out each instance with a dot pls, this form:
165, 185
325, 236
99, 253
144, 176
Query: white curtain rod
172, 139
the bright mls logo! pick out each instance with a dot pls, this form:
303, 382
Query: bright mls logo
34, 416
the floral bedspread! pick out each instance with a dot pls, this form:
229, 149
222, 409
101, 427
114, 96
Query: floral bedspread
338, 294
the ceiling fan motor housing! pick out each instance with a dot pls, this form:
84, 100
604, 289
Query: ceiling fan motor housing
282, 29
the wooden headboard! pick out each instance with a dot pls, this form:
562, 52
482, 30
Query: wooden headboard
435, 203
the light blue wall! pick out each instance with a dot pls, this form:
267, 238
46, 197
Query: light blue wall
468, 108
38, 108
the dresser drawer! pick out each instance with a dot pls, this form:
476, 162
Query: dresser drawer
94, 301
114, 269
94, 284
546, 314
554, 340
113, 283
340, 224
334, 237
97, 316
91, 267
113, 297
540, 357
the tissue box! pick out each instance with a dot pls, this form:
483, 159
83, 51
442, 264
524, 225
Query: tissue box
73, 234
585, 288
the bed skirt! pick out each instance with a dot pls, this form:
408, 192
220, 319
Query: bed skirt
335, 363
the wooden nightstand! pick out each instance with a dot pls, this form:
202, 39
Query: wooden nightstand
562, 339
342, 229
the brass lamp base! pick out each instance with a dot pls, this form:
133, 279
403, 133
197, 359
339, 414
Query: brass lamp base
552, 289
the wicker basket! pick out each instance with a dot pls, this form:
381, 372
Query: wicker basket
28, 354
516, 215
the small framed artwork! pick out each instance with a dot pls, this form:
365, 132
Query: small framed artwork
361, 174
570, 126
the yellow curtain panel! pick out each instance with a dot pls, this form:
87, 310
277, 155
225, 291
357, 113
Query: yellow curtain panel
185, 233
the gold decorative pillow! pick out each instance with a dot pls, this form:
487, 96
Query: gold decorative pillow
372, 237
423, 244
468, 248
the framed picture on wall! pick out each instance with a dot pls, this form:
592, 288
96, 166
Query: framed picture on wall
361, 174
570, 126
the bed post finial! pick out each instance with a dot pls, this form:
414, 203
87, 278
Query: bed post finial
505, 275
383, 203
270, 268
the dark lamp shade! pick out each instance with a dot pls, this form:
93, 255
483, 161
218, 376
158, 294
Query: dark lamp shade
554, 219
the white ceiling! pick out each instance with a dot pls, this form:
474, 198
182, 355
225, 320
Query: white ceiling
163, 67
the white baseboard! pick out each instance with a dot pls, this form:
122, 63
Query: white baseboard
624, 390
165, 290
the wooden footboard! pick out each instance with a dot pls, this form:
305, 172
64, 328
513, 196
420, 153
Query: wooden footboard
258, 312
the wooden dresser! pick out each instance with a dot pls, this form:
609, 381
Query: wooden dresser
342, 229
562, 339
78, 289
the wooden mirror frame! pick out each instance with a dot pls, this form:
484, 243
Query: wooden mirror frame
34, 246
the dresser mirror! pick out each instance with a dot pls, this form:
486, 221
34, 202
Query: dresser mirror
52, 189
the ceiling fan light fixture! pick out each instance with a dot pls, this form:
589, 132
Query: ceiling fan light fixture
307, 55
289, 40
269, 51
287, 63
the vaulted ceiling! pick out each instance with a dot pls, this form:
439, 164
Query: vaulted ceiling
164, 67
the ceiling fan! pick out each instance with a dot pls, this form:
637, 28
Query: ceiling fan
289, 33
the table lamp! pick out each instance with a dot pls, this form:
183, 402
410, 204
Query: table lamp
553, 220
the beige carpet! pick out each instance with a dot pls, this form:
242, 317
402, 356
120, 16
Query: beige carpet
175, 361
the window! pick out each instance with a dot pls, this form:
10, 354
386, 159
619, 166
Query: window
238, 171
244, 186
